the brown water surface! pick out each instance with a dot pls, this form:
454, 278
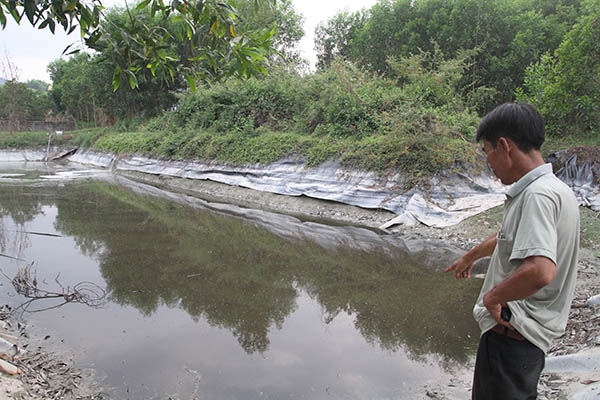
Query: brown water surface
213, 305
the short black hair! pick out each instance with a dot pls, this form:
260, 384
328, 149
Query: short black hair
520, 122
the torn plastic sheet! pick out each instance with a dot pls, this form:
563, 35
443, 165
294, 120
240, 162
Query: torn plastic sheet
449, 199
581, 180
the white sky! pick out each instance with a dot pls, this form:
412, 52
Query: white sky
31, 50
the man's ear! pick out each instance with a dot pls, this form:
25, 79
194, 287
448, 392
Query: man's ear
505, 144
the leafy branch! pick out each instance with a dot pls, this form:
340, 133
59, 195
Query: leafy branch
145, 43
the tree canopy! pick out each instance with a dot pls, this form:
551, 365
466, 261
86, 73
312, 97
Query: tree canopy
445, 59
565, 84
82, 84
510, 35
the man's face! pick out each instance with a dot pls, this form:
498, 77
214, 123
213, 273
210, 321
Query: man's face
494, 156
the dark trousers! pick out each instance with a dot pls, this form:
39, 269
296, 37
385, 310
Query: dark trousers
506, 369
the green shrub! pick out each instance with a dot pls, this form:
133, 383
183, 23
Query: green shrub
271, 102
345, 102
22, 140
564, 86
142, 142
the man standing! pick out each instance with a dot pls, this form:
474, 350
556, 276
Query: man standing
527, 292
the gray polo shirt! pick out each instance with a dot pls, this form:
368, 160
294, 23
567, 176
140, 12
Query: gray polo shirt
541, 218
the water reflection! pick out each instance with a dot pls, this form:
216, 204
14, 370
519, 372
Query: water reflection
240, 277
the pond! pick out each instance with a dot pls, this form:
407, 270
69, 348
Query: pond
212, 302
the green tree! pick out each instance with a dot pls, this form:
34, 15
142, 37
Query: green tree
565, 86
210, 28
511, 35
333, 39
71, 89
18, 104
283, 19
82, 89
81, 85
37, 84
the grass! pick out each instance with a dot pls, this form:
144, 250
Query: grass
23, 140
415, 156
33, 140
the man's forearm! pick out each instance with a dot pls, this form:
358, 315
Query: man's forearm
484, 249
530, 276
462, 267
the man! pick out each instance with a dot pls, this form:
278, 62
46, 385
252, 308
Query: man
527, 292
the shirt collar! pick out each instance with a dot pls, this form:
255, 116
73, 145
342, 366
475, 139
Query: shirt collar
527, 179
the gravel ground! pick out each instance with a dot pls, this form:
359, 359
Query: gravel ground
48, 376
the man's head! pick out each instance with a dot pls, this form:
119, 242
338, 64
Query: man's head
512, 135
518, 122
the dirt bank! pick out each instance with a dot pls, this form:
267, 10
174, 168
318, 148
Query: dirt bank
44, 375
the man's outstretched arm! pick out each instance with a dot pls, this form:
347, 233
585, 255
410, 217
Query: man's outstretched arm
463, 266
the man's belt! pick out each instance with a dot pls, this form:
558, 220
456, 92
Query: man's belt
511, 333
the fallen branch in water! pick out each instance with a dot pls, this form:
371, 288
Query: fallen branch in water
26, 284
35, 233
44, 234
11, 257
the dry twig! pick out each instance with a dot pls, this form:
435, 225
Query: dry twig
26, 284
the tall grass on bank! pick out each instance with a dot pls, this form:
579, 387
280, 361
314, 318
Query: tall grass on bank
341, 114
39, 140
415, 124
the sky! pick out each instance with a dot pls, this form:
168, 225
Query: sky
31, 50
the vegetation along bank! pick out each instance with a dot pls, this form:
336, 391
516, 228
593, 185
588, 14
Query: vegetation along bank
398, 87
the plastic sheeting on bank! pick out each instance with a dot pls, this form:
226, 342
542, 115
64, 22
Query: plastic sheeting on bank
581, 180
449, 199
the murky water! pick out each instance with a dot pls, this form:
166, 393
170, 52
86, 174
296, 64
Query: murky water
209, 304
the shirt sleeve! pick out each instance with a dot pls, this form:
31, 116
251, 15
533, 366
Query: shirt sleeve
537, 229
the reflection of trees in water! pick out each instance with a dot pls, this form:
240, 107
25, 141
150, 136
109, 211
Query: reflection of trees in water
396, 303
21, 204
157, 253
81, 211
21, 241
243, 278
14, 240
